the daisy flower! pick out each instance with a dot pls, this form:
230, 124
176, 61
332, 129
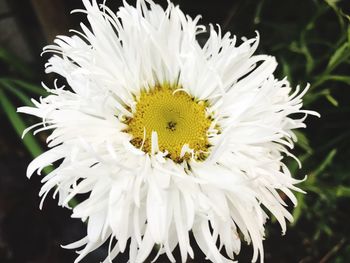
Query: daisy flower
165, 136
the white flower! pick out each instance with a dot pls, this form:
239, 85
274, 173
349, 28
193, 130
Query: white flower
165, 135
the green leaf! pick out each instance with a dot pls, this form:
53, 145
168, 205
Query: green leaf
309, 98
335, 78
343, 191
297, 212
327, 230
310, 63
326, 162
339, 12
312, 97
332, 100
286, 70
23, 97
339, 56
332, 3
257, 17
15, 62
32, 88
18, 124
73, 203
302, 48
340, 78
303, 141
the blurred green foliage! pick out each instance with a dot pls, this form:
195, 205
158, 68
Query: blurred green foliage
14, 85
17, 89
311, 41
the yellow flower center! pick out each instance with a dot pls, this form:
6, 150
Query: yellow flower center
178, 120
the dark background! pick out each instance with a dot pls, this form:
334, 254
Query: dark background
321, 233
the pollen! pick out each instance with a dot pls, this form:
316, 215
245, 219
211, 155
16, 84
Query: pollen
178, 119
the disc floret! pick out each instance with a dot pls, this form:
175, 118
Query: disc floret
178, 119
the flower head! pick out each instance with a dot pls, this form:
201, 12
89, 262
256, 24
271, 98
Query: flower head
167, 136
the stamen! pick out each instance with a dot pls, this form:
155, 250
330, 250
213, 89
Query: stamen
176, 117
